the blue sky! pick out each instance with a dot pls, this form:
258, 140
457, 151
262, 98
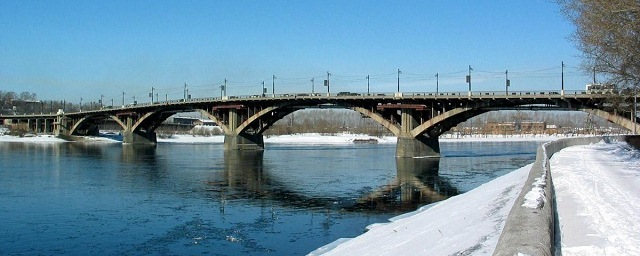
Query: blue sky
72, 49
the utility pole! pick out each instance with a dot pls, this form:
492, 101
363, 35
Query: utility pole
184, 98
562, 81
273, 86
80, 104
223, 89
507, 83
437, 78
312, 86
327, 84
367, 85
399, 72
469, 80
123, 98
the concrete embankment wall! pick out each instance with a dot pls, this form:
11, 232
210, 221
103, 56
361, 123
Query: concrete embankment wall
530, 230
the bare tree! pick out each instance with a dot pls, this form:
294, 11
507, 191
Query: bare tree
607, 32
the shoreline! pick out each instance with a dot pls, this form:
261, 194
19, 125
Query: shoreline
295, 139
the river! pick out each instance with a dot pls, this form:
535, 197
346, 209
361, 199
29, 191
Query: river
195, 199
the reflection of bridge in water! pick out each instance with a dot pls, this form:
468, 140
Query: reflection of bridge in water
416, 119
417, 183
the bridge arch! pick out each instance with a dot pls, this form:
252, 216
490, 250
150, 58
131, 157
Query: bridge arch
439, 124
268, 116
86, 123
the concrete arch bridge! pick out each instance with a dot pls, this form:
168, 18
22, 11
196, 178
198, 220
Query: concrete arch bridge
417, 119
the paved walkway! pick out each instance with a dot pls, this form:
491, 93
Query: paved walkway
597, 190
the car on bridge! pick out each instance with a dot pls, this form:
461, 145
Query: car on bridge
348, 94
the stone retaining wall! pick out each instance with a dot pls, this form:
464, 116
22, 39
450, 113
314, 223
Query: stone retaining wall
529, 229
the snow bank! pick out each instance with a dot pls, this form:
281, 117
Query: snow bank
34, 139
469, 223
300, 139
319, 139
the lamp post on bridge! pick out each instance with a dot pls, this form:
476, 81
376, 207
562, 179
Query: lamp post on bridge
327, 84
469, 79
101, 105
507, 82
367, 85
122, 98
399, 72
562, 79
151, 94
184, 91
223, 89
312, 86
437, 78
80, 104
273, 85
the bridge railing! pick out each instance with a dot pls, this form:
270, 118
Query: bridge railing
343, 95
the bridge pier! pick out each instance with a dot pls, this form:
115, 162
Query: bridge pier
243, 141
136, 136
421, 146
139, 137
418, 146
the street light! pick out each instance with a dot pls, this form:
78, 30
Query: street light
326, 83
223, 89
367, 85
273, 86
312, 87
562, 81
399, 72
437, 84
469, 80
151, 94
507, 82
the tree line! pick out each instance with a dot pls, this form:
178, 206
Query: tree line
28, 103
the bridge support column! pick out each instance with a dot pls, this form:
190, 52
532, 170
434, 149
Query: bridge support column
137, 137
419, 146
242, 140
61, 126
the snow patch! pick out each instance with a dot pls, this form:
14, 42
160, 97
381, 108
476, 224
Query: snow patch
537, 197
467, 224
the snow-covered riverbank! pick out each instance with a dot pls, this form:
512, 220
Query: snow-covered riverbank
467, 224
308, 138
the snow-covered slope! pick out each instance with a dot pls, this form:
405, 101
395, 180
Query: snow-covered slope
466, 224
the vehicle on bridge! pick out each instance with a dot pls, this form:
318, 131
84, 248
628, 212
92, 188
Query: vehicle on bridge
601, 89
